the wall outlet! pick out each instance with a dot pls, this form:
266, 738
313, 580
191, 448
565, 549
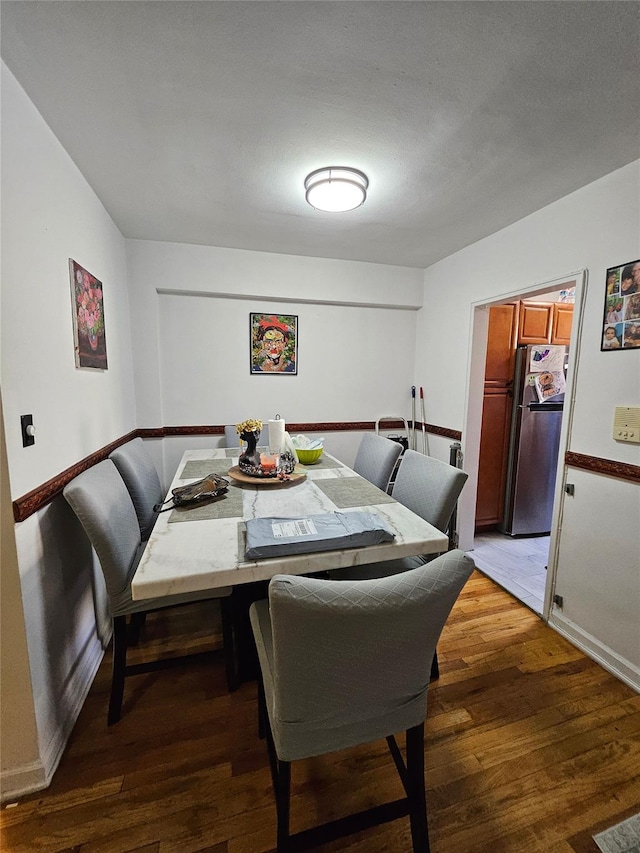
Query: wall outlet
626, 423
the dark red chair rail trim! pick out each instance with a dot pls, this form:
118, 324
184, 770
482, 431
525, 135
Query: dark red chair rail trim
621, 470
37, 498
34, 500
453, 434
332, 426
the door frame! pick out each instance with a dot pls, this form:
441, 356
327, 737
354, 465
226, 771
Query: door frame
479, 325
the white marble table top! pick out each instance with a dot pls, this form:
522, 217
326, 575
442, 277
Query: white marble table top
190, 556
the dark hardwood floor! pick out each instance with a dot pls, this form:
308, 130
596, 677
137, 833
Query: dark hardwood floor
530, 746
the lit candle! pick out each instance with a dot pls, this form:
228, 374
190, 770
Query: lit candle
268, 463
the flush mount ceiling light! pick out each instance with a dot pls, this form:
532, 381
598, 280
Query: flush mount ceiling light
336, 188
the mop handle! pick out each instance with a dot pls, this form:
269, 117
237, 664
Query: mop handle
422, 418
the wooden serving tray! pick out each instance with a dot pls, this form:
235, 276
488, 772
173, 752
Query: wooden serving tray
240, 477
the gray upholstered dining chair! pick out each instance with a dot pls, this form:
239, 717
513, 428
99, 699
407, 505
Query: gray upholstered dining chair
428, 487
140, 476
431, 489
231, 437
376, 459
345, 663
103, 506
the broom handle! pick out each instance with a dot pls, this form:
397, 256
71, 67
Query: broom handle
422, 420
413, 418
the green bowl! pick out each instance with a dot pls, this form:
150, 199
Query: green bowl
308, 457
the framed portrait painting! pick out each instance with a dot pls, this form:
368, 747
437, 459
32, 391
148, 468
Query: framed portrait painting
621, 321
88, 318
274, 344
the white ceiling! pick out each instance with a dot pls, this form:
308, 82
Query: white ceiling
197, 122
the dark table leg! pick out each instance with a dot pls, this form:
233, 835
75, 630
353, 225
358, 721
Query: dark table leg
242, 598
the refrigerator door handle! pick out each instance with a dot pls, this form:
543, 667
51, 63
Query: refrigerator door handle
544, 407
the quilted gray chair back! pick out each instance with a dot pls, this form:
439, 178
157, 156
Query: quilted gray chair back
351, 659
376, 458
102, 503
428, 487
139, 473
231, 437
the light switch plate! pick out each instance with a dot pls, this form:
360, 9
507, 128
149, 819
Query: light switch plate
626, 423
28, 432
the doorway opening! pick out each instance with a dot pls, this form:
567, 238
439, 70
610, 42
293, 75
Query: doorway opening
519, 559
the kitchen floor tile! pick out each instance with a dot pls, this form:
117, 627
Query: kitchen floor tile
517, 565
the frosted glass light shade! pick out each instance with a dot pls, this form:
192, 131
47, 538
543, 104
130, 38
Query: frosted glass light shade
336, 188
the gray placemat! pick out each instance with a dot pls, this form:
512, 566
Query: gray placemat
227, 506
352, 491
202, 467
323, 462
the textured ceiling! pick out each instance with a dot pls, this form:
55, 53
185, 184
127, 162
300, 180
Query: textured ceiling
197, 122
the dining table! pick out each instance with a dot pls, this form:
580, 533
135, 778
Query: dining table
202, 547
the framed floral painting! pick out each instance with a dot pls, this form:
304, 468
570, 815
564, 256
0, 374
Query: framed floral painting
274, 343
621, 321
88, 318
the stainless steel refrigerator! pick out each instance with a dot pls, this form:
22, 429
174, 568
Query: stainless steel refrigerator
534, 441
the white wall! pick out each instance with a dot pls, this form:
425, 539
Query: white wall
594, 228
356, 324
50, 214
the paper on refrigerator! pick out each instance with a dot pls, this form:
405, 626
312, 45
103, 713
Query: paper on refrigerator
545, 357
549, 384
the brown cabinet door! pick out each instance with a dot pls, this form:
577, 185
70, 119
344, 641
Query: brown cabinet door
535, 322
562, 320
501, 343
496, 419
496, 414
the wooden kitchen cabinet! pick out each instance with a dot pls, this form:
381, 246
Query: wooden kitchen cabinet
501, 343
562, 321
492, 466
496, 415
535, 322
545, 323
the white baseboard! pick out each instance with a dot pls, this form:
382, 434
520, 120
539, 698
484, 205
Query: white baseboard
17, 782
23, 780
593, 648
